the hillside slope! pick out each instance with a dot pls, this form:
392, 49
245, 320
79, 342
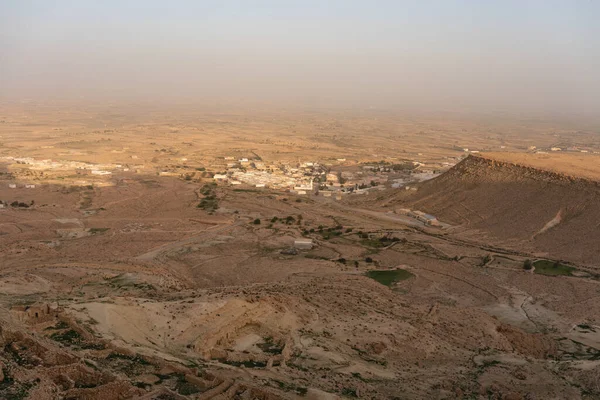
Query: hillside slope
547, 211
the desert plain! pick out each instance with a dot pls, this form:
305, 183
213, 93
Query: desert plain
259, 252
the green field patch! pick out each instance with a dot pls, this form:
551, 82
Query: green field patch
390, 277
551, 268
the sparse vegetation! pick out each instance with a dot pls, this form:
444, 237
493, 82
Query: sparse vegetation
69, 337
270, 346
94, 231
486, 260
210, 202
378, 243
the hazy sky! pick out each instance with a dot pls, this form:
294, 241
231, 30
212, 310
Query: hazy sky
481, 54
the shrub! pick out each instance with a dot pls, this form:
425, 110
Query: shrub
369, 260
256, 221
527, 265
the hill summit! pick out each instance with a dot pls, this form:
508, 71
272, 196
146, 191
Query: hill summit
554, 213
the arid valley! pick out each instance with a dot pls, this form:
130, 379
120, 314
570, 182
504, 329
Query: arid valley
271, 254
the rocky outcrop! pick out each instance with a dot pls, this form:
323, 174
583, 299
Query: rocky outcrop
508, 204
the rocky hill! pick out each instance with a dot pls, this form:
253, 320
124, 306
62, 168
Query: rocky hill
518, 205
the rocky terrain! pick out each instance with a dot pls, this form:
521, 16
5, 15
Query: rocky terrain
134, 289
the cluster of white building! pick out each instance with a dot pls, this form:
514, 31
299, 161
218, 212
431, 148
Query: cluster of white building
307, 177
32, 163
267, 179
26, 186
80, 168
259, 174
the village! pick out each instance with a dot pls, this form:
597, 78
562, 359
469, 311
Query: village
328, 179
302, 178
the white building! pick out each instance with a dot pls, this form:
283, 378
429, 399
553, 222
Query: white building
305, 186
220, 177
332, 177
30, 186
303, 244
12, 185
99, 172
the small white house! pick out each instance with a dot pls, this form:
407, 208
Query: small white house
100, 172
12, 185
303, 244
331, 177
28, 186
220, 177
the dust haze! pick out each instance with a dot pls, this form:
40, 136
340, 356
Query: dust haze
543, 59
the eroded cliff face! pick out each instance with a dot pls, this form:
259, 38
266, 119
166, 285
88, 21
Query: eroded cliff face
497, 170
517, 205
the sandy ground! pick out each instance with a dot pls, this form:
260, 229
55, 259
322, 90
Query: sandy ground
586, 165
131, 290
